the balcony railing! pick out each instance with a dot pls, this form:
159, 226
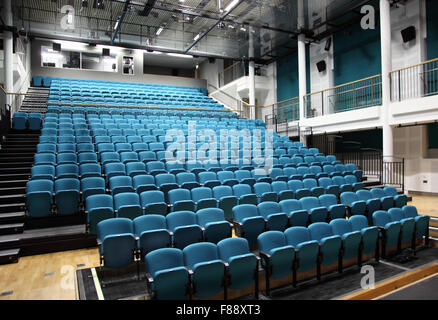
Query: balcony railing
359, 94
233, 72
417, 81
286, 110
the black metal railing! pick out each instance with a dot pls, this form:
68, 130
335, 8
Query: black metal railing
393, 173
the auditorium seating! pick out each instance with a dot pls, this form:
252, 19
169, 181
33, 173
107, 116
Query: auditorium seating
177, 215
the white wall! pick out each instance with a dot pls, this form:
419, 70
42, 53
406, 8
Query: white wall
210, 72
139, 77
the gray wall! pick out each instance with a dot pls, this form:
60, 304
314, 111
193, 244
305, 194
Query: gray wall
139, 77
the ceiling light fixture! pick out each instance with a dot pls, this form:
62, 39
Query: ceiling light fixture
231, 5
159, 31
197, 37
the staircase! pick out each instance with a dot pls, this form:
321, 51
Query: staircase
16, 159
36, 100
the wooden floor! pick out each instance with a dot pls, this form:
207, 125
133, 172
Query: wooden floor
53, 276
425, 204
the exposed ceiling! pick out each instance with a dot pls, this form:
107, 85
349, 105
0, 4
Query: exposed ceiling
207, 28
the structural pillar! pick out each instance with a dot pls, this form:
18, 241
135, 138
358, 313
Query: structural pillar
385, 40
302, 72
8, 52
251, 74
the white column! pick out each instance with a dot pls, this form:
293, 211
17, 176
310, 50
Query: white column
251, 74
302, 72
8, 52
385, 40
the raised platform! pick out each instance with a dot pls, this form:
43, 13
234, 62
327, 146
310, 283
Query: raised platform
96, 284
47, 240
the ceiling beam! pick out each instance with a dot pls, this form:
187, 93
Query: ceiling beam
211, 28
119, 24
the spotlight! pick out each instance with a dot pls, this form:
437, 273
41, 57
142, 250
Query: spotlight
84, 4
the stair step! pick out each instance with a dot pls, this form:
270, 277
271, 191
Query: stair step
19, 150
14, 198
12, 217
24, 164
6, 159
12, 207
12, 190
13, 183
14, 176
433, 232
9, 256
12, 228
16, 156
433, 222
14, 170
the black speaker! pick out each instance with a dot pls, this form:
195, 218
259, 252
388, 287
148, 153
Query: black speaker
211, 60
57, 47
328, 44
408, 34
321, 65
105, 52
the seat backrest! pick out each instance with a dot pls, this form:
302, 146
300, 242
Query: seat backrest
295, 185
222, 191
350, 179
225, 175
396, 214
206, 176
201, 193
410, 211
378, 193
328, 200
99, 201
126, 199
180, 218
270, 240
358, 222
320, 230
65, 184
199, 252
340, 226
310, 183
364, 194
209, 215
232, 247
164, 178
241, 189
178, 195
390, 191
35, 186
243, 211
278, 186
262, 187
296, 235
268, 207
149, 222
290, 205
163, 259
308, 203
349, 197
325, 182
381, 218
114, 226
152, 196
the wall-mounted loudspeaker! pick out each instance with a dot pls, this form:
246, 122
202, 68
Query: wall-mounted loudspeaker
408, 34
57, 47
211, 60
105, 52
328, 44
321, 65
